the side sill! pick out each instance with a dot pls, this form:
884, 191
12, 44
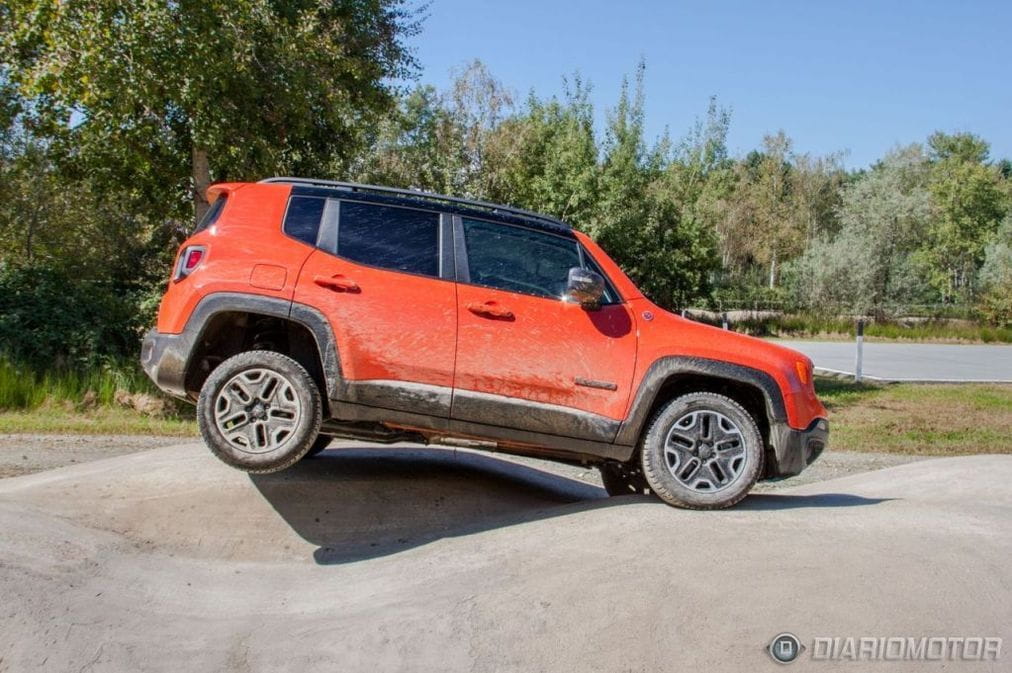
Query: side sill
508, 440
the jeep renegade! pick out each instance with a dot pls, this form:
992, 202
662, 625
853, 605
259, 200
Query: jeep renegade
302, 310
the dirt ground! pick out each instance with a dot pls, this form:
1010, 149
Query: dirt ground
24, 453
431, 560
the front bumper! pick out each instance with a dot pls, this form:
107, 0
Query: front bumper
794, 450
164, 357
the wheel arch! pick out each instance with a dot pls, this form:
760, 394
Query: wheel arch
224, 324
672, 377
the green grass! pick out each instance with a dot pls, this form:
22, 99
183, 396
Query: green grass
929, 420
104, 420
86, 403
805, 326
21, 388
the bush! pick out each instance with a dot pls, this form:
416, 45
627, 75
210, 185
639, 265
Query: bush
808, 326
50, 321
996, 305
756, 297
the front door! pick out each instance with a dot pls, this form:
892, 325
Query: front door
378, 275
526, 359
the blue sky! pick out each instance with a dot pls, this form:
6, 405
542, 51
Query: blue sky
846, 75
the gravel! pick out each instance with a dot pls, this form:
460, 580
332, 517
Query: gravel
26, 453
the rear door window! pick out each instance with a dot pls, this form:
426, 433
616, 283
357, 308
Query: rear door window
389, 237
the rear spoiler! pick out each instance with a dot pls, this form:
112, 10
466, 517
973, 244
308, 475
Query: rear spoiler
214, 191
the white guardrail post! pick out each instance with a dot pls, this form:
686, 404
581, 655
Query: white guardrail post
860, 351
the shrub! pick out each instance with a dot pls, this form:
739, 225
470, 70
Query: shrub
51, 321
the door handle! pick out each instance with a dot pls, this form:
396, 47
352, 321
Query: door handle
490, 309
337, 283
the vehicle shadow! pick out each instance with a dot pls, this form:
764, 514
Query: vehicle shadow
775, 501
361, 503
358, 503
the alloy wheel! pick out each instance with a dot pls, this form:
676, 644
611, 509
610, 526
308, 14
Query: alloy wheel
705, 451
257, 410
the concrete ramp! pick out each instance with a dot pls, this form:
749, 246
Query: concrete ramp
420, 559
358, 501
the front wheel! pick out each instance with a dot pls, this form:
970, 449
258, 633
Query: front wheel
702, 451
321, 443
259, 411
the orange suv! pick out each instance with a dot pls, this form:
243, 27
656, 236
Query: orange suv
301, 310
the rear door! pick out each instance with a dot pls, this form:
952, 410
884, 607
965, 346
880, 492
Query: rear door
383, 277
526, 359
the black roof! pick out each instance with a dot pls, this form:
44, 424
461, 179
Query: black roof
416, 197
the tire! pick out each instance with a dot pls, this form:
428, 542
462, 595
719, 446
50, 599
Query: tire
623, 479
321, 443
259, 411
702, 451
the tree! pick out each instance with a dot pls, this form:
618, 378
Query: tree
417, 145
450, 142
624, 172
996, 276
478, 105
620, 215
963, 147
687, 201
970, 200
546, 158
650, 215
870, 262
781, 202
164, 97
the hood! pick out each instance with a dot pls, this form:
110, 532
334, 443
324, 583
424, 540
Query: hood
668, 334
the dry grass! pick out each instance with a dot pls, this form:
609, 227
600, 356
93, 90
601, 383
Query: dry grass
929, 420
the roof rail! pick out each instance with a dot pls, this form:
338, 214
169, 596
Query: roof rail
418, 193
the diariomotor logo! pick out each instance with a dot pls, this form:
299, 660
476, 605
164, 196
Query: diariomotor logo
785, 648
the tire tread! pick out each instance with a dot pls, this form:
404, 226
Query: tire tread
651, 470
250, 359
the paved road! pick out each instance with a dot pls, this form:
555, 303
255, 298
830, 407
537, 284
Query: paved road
899, 361
421, 560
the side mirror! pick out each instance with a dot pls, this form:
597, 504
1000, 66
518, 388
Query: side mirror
584, 287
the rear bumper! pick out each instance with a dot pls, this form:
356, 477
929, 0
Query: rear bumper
163, 357
794, 450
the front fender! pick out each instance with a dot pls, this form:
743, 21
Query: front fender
667, 367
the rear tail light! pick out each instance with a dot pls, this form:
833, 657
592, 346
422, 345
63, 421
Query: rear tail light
189, 260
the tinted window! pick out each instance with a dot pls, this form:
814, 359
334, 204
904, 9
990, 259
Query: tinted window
302, 220
518, 259
212, 214
391, 238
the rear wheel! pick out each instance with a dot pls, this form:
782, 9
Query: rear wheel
702, 451
259, 411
